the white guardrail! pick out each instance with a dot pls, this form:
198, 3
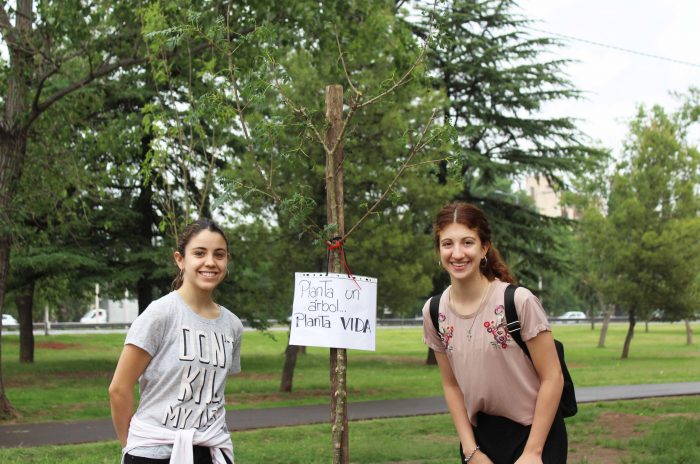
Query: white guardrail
388, 322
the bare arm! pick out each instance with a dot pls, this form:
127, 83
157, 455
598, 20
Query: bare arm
546, 362
455, 403
132, 363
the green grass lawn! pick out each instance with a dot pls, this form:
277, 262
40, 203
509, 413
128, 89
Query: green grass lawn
643, 431
69, 379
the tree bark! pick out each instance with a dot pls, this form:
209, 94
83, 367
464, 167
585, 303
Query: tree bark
688, 333
607, 314
430, 360
290, 362
25, 305
7, 411
13, 144
145, 225
144, 293
630, 334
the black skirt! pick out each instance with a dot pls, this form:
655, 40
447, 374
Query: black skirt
503, 440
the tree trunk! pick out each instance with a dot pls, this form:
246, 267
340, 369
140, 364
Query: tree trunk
601, 303
7, 411
607, 314
628, 338
430, 360
147, 221
290, 362
688, 333
25, 305
144, 293
13, 144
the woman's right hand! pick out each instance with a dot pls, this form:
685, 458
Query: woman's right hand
132, 362
480, 458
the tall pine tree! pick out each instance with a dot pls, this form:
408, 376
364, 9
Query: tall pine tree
496, 81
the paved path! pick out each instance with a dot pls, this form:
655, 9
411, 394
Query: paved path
61, 433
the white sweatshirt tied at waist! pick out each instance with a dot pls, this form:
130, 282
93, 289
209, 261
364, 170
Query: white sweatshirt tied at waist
216, 438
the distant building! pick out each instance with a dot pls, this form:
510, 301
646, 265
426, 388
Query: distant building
125, 310
108, 310
547, 200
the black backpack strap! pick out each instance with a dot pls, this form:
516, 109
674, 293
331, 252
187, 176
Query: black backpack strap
434, 311
567, 404
512, 321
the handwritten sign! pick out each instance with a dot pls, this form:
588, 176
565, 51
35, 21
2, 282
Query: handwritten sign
333, 311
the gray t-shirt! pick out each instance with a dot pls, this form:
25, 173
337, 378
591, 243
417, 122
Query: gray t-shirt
183, 385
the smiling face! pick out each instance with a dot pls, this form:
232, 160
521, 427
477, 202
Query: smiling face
205, 261
461, 251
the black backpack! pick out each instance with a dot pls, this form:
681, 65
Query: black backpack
567, 404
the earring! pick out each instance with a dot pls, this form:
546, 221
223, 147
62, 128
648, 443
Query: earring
182, 274
484, 261
439, 263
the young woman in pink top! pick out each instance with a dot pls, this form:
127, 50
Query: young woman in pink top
504, 406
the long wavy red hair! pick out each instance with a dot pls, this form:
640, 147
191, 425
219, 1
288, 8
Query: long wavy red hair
474, 218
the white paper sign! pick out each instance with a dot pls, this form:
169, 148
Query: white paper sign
334, 311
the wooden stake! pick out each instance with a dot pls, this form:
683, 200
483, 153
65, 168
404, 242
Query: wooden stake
336, 215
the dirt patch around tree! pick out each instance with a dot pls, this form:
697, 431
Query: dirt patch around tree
253, 399
606, 444
257, 376
56, 345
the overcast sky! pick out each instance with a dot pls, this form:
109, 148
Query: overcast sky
614, 81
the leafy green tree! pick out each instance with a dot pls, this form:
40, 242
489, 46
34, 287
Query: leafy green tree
61, 228
590, 242
496, 82
53, 51
268, 87
644, 245
360, 44
276, 175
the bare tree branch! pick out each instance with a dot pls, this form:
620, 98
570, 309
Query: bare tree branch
418, 146
435, 161
40, 86
101, 71
342, 61
301, 111
241, 116
403, 80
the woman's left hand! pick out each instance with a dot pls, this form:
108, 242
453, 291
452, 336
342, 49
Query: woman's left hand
529, 458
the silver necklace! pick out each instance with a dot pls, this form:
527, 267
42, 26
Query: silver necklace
476, 313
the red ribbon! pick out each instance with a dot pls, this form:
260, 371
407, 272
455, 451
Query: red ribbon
338, 244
